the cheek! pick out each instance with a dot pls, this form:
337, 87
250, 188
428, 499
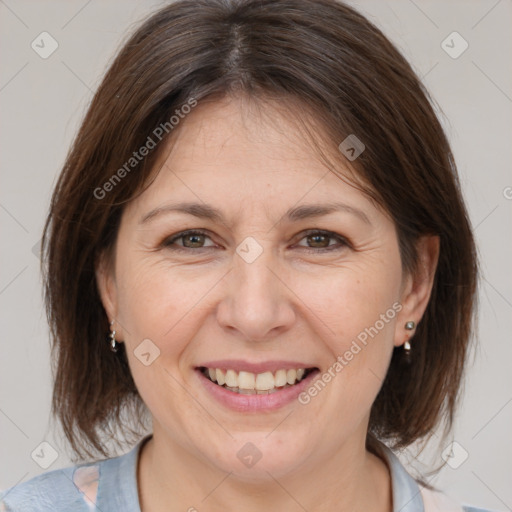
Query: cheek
358, 318
155, 300
168, 306
161, 305
352, 303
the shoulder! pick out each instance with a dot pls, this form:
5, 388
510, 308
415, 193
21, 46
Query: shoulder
410, 495
436, 501
108, 484
70, 488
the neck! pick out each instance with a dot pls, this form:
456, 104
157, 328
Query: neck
170, 478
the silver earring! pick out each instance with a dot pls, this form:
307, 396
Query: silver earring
410, 325
114, 346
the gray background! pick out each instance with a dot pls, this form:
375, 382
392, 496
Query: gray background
43, 101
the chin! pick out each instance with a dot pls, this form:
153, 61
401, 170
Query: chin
260, 457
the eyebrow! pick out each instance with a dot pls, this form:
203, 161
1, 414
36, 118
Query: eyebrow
205, 211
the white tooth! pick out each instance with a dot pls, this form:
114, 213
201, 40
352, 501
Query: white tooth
260, 392
231, 379
300, 373
246, 380
291, 376
221, 376
212, 373
280, 378
264, 381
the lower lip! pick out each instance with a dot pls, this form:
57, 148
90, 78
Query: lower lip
255, 403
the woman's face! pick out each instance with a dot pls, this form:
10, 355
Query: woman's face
261, 291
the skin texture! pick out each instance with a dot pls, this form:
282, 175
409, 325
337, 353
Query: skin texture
291, 303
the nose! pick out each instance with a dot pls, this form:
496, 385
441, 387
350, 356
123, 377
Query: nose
258, 303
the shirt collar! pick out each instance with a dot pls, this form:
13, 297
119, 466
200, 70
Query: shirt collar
406, 491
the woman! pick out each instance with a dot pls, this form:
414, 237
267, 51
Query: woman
259, 240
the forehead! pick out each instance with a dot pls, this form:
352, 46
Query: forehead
239, 128
245, 156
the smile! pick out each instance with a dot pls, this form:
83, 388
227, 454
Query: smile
248, 383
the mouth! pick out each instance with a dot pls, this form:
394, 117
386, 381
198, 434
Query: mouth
249, 383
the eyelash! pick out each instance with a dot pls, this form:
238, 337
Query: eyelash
168, 242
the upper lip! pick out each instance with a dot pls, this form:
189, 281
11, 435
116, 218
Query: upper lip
261, 367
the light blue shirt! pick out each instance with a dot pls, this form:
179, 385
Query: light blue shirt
65, 490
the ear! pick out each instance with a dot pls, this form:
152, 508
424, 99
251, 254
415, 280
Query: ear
107, 287
417, 287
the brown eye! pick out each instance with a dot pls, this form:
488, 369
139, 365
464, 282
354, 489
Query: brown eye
193, 240
319, 241
189, 240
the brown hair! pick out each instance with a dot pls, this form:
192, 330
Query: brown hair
351, 79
